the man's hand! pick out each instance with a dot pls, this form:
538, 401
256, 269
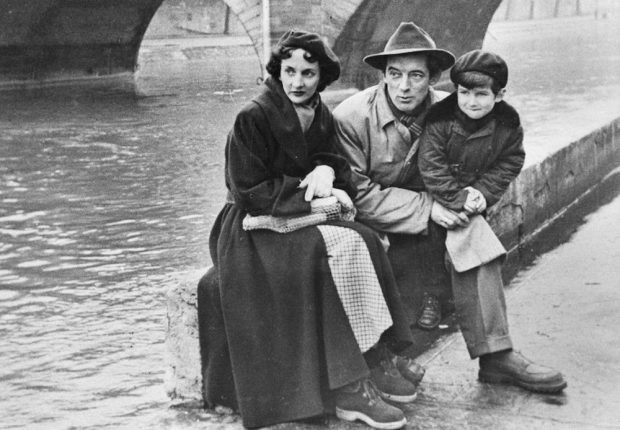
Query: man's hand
447, 218
343, 198
475, 202
318, 183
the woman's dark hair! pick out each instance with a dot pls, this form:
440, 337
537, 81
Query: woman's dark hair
327, 73
471, 80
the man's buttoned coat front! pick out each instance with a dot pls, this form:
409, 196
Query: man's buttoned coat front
390, 196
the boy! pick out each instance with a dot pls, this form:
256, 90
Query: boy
472, 146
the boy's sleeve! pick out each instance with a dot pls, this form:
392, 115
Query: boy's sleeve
495, 181
435, 169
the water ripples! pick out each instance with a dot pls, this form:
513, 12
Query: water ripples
105, 203
106, 200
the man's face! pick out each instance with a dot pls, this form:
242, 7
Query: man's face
408, 80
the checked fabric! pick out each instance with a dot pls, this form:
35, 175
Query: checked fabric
357, 284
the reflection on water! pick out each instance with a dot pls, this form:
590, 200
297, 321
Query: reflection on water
107, 198
562, 77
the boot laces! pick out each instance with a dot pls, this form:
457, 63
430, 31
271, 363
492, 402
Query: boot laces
387, 363
370, 392
430, 300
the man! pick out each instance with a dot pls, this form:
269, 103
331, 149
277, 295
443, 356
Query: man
378, 131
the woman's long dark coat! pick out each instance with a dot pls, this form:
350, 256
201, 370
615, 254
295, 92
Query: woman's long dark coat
287, 338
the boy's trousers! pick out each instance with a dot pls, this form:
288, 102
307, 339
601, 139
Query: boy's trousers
421, 265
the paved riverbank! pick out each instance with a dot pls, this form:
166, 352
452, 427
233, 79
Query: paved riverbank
562, 311
194, 48
572, 142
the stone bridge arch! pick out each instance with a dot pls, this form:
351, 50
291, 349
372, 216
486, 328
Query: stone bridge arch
68, 39
355, 28
326, 17
455, 25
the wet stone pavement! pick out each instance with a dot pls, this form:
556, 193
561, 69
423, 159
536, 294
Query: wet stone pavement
563, 313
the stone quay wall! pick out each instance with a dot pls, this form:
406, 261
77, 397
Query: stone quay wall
544, 190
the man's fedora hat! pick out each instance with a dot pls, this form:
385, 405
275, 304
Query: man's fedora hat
410, 39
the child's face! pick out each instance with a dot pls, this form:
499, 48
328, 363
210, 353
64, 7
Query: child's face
478, 101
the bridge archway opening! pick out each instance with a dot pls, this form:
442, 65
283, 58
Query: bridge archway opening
195, 38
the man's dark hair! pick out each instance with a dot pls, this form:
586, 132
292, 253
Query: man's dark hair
326, 76
432, 64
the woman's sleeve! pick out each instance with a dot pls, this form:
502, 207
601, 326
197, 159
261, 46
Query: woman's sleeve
435, 169
327, 154
342, 169
253, 184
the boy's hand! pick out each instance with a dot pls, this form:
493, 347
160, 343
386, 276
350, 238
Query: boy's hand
475, 202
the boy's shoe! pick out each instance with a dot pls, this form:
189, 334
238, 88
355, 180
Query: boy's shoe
512, 368
409, 369
390, 384
430, 316
360, 401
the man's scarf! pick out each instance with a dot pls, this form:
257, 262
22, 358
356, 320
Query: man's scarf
415, 120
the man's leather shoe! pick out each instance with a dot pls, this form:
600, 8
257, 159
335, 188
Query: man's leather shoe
510, 367
430, 316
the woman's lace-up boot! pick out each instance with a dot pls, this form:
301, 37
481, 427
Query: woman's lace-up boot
360, 401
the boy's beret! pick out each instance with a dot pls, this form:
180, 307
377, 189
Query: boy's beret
484, 62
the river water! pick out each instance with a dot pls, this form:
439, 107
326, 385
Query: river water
107, 198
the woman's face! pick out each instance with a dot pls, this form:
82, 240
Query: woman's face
299, 77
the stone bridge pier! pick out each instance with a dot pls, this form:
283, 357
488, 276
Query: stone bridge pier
51, 40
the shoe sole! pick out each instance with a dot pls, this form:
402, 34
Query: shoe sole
500, 378
397, 398
428, 327
356, 415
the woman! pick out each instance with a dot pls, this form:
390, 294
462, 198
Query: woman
299, 308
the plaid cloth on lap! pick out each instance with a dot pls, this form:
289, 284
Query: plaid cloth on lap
356, 282
322, 210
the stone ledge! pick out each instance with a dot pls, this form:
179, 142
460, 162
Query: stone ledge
541, 193
183, 380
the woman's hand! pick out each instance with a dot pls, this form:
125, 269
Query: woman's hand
319, 182
343, 198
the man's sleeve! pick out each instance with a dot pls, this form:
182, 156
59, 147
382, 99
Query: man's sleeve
389, 209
